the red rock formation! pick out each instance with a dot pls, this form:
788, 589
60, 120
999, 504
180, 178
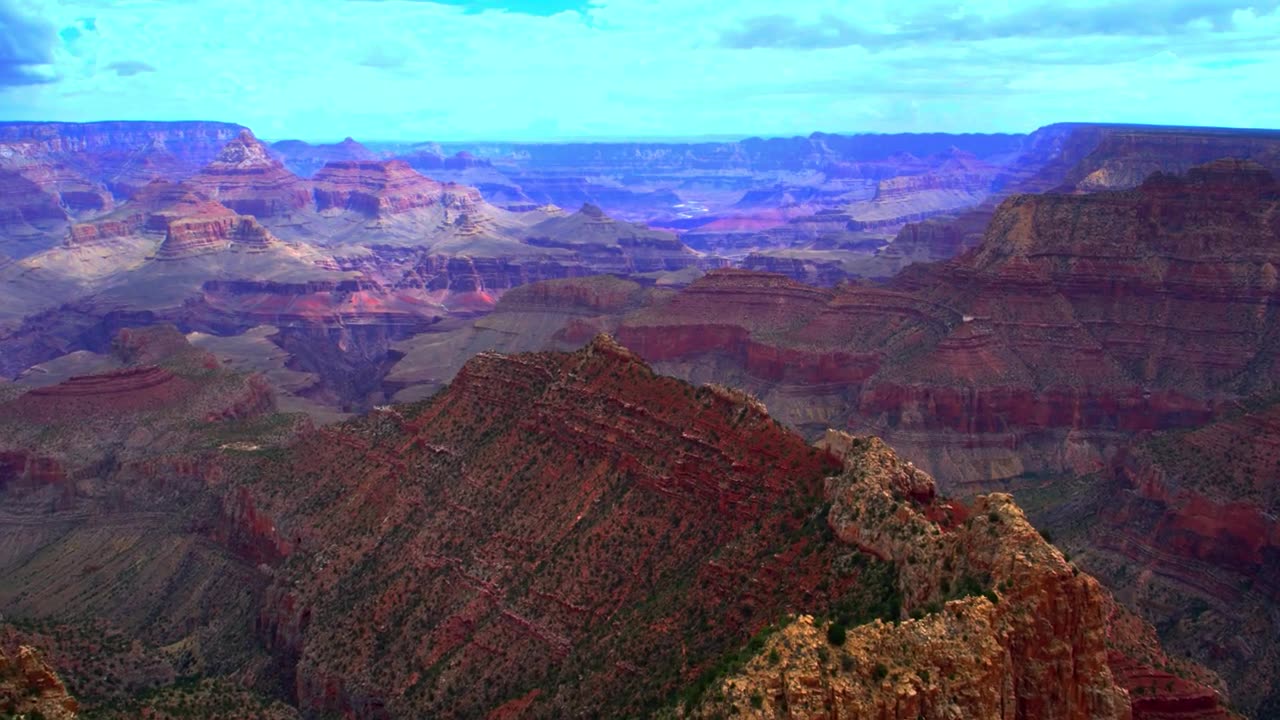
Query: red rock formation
1126, 157
374, 188
245, 178
555, 534
1160, 687
28, 687
318, 304
644, 506
152, 210
119, 392
53, 177
1001, 625
960, 182
1071, 317
24, 206
188, 237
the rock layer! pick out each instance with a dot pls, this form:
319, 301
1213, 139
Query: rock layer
1064, 332
245, 178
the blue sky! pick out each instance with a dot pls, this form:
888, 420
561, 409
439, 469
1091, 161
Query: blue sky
557, 69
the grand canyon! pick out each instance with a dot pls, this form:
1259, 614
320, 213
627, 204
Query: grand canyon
444, 402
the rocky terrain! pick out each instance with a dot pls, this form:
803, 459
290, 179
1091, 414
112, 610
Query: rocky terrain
28, 688
664, 532
245, 178
365, 254
1182, 526
1104, 351
1042, 350
1077, 158
56, 173
961, 653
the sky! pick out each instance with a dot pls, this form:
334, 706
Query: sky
463, 70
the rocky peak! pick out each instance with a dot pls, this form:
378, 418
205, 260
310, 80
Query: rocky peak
244, 151
592, 211
999, 625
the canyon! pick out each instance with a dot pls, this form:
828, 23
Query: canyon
266, 378
663, 530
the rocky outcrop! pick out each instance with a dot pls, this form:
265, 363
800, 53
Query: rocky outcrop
320, 304
30, 688
123, 391
245, 178
374, 188
193, 236
1000, 625
126, 156
76, 194
931, 241
608, 245
961, 182
676, 542
163, 372
1181, 526
687, 464
1125, 158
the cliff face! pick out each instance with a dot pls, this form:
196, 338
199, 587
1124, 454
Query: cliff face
245, 178
956, 184
373, 188
29, 687
554, 534
1039, 624
691, 522
1080, 320
1182, 527
124, 156
1126, 158
1000, 624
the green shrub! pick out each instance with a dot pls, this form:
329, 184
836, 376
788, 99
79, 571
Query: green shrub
836, 634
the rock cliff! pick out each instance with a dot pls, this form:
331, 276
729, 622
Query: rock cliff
373, 188
29, 688
245, 178
1063, 333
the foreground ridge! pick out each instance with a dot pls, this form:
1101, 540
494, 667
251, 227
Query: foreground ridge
554, 534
